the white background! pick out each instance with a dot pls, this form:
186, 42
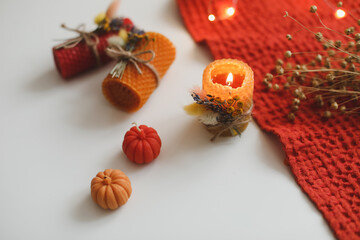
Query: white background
55, 136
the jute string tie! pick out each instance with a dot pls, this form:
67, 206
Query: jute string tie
121, 55
241, 119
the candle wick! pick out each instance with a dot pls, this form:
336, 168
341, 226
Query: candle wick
134, 123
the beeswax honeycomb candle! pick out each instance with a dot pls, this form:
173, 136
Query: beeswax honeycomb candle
226, 78
130, 92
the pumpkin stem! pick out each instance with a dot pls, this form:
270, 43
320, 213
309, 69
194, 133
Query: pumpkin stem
107, 180
134, 123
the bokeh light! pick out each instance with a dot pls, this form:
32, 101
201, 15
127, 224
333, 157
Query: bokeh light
340, 13
230, 11
211, 17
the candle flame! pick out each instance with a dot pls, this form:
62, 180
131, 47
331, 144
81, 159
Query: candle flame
230, 11
340, 13
229, 79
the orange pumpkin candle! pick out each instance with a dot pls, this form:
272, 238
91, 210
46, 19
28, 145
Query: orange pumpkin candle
227, 78
110, 189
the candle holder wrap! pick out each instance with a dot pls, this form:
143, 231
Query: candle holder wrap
142, 69
227, 130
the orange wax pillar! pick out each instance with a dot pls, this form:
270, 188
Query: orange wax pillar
226, 78
132, 91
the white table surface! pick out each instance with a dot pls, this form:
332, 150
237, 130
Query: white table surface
55, 136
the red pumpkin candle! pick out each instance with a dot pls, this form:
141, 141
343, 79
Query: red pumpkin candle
141, 144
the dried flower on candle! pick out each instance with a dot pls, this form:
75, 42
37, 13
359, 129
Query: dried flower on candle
331, 80
214, 111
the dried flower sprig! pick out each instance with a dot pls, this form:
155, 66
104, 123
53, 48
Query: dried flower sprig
132, 43
227, 110
220, 116
331, 80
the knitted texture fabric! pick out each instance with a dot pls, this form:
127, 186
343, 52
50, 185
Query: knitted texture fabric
322, 155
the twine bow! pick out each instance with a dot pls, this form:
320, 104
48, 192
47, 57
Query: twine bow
123, 56
90, 38
241, 119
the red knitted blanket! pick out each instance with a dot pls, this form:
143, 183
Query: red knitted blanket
324, 156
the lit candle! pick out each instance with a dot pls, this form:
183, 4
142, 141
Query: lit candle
227, 78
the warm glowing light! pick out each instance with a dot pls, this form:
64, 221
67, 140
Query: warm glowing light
229, 79
211, 17
230, 11
340, 13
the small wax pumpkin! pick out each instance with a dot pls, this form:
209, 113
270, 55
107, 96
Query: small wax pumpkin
110, 189
141, 144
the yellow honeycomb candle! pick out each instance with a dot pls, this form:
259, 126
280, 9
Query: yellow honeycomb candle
226, 78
